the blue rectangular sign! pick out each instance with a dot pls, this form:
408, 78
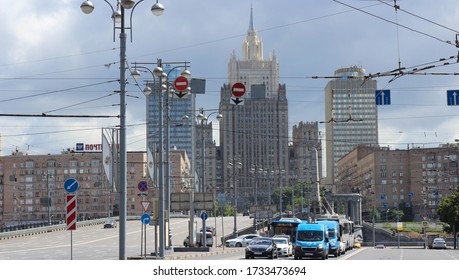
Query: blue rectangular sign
453, 97
382, 97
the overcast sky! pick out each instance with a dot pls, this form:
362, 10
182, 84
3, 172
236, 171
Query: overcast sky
54, 58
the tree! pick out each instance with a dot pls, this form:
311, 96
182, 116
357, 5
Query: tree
448, 210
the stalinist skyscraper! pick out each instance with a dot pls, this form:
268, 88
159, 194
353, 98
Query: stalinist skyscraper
254, 133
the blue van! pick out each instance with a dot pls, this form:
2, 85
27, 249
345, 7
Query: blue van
334, 237
311, 240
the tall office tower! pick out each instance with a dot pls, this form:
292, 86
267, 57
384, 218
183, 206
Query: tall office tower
254, 133
182, 132
351, 116
306, 160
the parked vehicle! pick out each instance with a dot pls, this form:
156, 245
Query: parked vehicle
439, 243
311, 241
334, 238
430, 238
241, 241
210, 229
261, 247
199, 240
110, 224
284, 246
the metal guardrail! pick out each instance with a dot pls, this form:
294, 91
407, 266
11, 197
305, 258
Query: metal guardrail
46, 229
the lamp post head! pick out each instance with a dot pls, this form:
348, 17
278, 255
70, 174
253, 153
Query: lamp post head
147, 91
158, 71
135, 74
127, 4
116, 16
186, 73
157, 9
87, 7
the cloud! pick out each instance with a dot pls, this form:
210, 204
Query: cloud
54, 56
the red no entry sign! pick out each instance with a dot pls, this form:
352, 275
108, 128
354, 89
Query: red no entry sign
238, 89
181, 83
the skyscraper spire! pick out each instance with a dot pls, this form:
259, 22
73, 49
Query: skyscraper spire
251, 28
252, 47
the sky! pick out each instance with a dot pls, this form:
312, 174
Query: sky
54, 59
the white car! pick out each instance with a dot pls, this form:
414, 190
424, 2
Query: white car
284, 247
241, 241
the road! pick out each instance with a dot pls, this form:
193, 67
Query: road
366, 253
97, 243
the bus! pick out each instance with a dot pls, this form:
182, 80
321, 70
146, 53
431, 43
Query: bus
285, 226
346, 229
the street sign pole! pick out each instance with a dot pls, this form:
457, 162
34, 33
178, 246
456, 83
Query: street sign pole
71, 186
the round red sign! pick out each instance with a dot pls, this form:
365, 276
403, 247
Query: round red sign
181, 83
238, 89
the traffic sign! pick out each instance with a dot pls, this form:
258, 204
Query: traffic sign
71, 185
71, 213
382, 97
453, 97
145, 205
238, 89
145, 219
181, 83
204, 216
142, 186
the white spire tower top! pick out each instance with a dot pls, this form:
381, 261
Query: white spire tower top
252, 47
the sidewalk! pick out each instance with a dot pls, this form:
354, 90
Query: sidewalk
184, 255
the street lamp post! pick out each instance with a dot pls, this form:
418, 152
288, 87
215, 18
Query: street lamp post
48, 202
118, 16
164, 179
202, 118
233, 165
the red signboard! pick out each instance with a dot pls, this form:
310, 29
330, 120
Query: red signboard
238, 89
181, 83
71, 207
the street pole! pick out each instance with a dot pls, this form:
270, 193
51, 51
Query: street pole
161, 169
49, 199
203, 187
122, 170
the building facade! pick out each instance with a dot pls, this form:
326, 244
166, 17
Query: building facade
412, 180
351, 116
31, 183
305, 160
254, 133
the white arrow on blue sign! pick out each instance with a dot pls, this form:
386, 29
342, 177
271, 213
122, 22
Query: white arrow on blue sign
145, 218
204, 216
71, 185
382, 97
453, 97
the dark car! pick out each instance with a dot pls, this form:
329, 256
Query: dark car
261, 247
110, 224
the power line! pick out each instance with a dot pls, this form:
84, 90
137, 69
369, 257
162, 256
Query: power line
395, 23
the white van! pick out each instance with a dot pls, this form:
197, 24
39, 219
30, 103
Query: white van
209, 239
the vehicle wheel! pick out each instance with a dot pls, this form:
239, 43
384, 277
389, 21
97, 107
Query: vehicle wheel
238, 244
